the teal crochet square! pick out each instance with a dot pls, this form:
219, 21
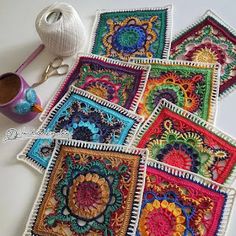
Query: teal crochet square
132, 33
87, 118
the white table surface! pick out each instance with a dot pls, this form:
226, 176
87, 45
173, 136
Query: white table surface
18, 38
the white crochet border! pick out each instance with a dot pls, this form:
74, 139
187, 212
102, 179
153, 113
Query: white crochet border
22, 156
193, 118
230, 192
215, 80
145, 74
99, 147
220, 21
169, 23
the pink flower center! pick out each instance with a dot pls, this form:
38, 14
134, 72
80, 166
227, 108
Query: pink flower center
87, 193
179, 159
161, 222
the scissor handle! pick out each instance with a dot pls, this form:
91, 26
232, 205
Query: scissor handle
56, 63
62, 69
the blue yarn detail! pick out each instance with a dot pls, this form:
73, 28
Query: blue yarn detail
129, 39
25, 105
87, 121
22, 108
30, 96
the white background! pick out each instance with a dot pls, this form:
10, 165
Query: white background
18, 38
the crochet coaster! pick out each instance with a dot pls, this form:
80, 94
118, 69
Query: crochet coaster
118, 82
179, 138
178, 202
209, 39
87, 118
90, 189
191, 85
121, 34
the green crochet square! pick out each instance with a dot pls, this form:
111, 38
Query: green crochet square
192, 86
132, 33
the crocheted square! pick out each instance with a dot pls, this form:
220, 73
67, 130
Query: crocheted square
118, 82
87, 118
177, 202
191, 85
209, 39
90, 189
179, 138
120, 34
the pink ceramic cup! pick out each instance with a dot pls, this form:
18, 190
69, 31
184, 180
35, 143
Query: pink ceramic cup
18, 101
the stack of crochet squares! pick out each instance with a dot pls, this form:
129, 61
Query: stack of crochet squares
144, 156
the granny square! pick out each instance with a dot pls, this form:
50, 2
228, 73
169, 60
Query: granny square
209, 39
193, 86
88, 118
89, 189
120, 34
178, 202
179, 138
118, 82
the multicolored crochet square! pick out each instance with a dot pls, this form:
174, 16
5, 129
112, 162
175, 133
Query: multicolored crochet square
90, 189
87, 118
191, 85
179, 138
121, 34
177, 202
118, 82
210, 39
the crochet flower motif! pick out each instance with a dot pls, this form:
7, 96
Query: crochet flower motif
90, 189
102, 88
130, 37
172, 87
209, 41
185, 150
164, 215
86, 131
119, 82
89, 124
87, 196
121, 34
206, 46
86, 118
189, 85
207, 52
173, 209
107, 84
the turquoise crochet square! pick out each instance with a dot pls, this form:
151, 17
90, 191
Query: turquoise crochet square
87, 118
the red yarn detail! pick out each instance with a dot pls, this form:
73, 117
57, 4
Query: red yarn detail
195, 193
178, 158
160, 223
220, 54
221, 170
220, 32
87, 194
209, 21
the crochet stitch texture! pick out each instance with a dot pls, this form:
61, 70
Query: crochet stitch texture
132, 33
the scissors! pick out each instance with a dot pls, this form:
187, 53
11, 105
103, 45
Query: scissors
54, 68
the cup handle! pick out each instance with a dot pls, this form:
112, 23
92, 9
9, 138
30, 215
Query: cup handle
33, 55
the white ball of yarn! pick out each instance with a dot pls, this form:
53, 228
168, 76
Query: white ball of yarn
61, 29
